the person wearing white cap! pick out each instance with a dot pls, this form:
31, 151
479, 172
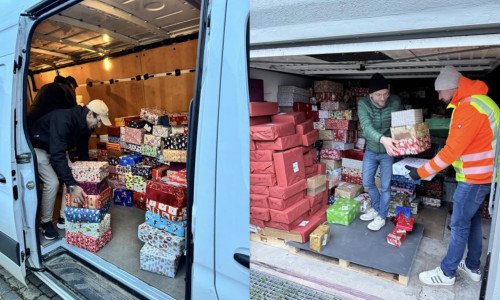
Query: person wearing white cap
53, 135
470, 148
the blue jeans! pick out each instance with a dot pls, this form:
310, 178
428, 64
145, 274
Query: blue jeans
371, 161
465, 227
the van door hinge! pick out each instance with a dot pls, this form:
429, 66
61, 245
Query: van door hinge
18, 63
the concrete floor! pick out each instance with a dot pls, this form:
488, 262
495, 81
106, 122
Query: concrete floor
347, 284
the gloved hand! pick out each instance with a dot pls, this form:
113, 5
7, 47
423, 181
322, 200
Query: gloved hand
413, 172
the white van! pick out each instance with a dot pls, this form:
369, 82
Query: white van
217, 259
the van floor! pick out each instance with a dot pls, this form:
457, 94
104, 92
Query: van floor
124, 248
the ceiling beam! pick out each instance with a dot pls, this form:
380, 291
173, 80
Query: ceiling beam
69, 43
392, 71
94, 28
52, 53
122, 14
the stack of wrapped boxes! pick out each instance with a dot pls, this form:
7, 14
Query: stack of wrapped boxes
412, 134
88, 224
288, 95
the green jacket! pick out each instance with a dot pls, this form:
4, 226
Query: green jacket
376, 122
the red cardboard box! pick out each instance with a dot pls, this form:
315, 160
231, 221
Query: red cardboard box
259, 120
340, 124
270, 131
290, 214
263, 179
288, 227
314, 115
258, 109
259, 189
285, 192
304, 127
260, 213
282, 204
302, 106
315, 220
261, 155
170, 193
257, 222
353, 154
310, 158
289, 166
260, 167
294, 117
344, 136
258, 200
310, 138
281, 143
405, 223
113, 131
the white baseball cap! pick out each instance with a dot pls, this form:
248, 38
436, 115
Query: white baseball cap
100, 108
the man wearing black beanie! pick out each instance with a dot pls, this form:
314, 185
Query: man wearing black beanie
374, 113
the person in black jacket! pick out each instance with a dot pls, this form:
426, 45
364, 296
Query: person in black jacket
51, 136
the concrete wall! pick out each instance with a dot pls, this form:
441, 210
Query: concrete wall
274, 79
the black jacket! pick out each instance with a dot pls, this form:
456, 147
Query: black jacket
59, 131
51, 96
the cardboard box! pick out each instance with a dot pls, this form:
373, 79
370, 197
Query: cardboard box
396, 237
317, 190
330, 105
340, 124
281, 143
290, 214
316, 182
409, 131
319, 238
289, 166
283, 226
325, 135
271, 131
348, 190
343, 212
318, 199
413, 145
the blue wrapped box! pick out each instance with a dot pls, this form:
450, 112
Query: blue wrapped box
126, 160
114, 139
177, 228
123, 197
88, 215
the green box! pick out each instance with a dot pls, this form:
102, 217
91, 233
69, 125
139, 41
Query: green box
342, 212
439, 127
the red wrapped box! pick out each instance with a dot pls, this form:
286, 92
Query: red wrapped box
302, 106
178, 119
160, 172
282, 204
170, 193
259, 120
328, 86
315, 209
396, 237
262, 167
270, 131
285, 192
310, 158
261, 155
332, 154
130, 118
93, 188
340, 124
179, 177
352, 179
281, 143
314, 116
319, 199
263, 179
293, 117
289, 166
311, 170
252, 145
344, 136
314, 221
353, 154
332, 105
304, 127
290, 214
175, 214
288, 227
259, 189
258, 200
139, 200
405, 223
91, 201
257, 222
87, 242
260, 213
258, 109
113, 131
329, 97
310, 138
321, 168
101, 146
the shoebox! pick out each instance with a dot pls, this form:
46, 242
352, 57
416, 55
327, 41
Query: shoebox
352, 175
102, 155
159, 261
162, 131
310, 158
325, 135
396, 237
331, 164
152, 114
348, 190
289, 166
340, 124
86, 242
95, 230
263, 179
139, 200
135, 183
160, 239
280, 143
90, 171
415, 145
259, 200
123, 197
294, 117
290, 214
320, 125
331, 154
409, 192
177, 228
342, 212
91, 201
114, 139
328, 86
406, 117
409, 131
142, 169
261, 155
338, 145
179, 129
304, 127
330, 105
177, 119
259, 189
284, 203
172, 213
170, 193
134, 147
89, 215
310, 138
260, 213
155, 142
93, 188
287, 227
365, 203
316, 181
257, 109
262, 167
271, 131
319, 238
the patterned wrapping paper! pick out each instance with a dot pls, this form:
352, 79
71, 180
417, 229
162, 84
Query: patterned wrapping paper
122, 170
175, 155
413, 145
352, 163
338, 145
143, 170
364, 201
103, 138
135, 148
344, 136
352, 175
348, 190
288, 99
89, 171
404, 185
177, 228
113, 139
134, 135
118, 184
126, 160
136, 124
153, 114
153, 141
114, 146
176, 142
149, 150
88, 215
112, 169
91, 201
172, 213
93, 153
340, 124
326, 135
332, 98
400, 178
406, 117
397, 199
320, 125
178, 119
160, 171
398, 168
123, 197
159, 261
359, 91
179, 177
179, 129
162, 131
331, 105
139, 200
410, 131
151, 161
113, 161
347, 114
431, 201
396, 237
170, 193
119, 122
102, 155
324, 114
342, 212
161, 239
95, 230
331, 164
93, 188
135, 183
327, 86
87, 242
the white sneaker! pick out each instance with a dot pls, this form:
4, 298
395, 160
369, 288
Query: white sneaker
376, 224
474, 275
369, 215
436, 277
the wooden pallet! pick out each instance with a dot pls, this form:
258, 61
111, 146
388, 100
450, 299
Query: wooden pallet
341, 263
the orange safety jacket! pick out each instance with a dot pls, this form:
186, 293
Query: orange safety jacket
472, 138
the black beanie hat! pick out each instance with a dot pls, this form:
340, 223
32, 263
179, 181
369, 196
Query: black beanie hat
377, 83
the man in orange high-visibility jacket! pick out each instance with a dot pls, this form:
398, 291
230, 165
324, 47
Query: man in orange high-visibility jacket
470, 147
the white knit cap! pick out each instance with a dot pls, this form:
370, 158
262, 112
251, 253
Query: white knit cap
447, 79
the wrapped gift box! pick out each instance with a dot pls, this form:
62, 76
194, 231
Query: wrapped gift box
347, 114
102, 155
89, 215
398, 168
431, 201
325, 135
348, 190
259, 120
331, 164
330, 154
405, 223
284, 192
338, 145
310, 158
327, 86
271, 131
122, 170
161, 239
114, 155
134, 147
288, 99
152, 161
93, 188
291, 117
135, 183
258, 223
409, 192
344, 136
176, 142
342, 212
134, 135
324, 114
290, 214
316, 190
139, 200
119, 122
183, 129
123, 197
304, 127
114, 139
161, 131
259, 200
136, 124
340, 124
409, 131
91, 201
316, 181
127, 160
174, 155
257, 109
352, 163
179, 177
152, 114
143, 170
153, 141
396, 237
319, 199
310, 138
258, 167
259, 189
260, 213
263, 179
95, 230
406, 117
159, 261
177, 228
320, 125
170, 193
364, 201
178, 119
261, 155
86, 242
287, 227
289, 166
303, 107
283, 204
159, 172
89, 171
330, 105
413, 145
352, 175
319, 238
176, 214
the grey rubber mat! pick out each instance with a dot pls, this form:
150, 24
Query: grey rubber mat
359, 245
264, 286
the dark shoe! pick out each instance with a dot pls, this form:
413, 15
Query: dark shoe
49, 232
61, 223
